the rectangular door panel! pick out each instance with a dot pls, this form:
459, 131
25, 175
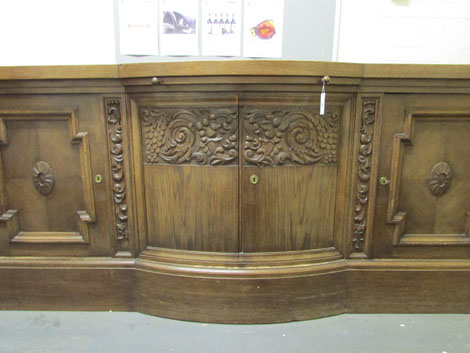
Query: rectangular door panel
290, 172
435, 177
425, 210
48, 153
289, 208
39, 213
190, 176
192, 208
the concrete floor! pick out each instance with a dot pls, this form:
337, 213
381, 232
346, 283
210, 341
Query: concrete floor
113, 332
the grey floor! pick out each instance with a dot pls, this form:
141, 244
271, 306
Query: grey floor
54, 332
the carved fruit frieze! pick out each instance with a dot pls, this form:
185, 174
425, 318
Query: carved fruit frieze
184, 136
290, 136
43, 178
439, 179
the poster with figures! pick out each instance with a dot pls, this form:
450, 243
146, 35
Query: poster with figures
221, 27
263, 27
179, 27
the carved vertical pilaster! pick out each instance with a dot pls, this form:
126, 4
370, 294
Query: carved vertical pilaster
365, 161
113, 118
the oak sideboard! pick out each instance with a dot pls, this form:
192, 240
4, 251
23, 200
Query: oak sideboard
219, 192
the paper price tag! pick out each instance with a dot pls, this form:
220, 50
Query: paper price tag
325, 80
322, 103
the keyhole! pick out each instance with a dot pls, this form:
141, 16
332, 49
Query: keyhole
254, 179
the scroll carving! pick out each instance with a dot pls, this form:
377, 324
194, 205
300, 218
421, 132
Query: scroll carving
113, 112
43, 178
368, 117
183, 136
290, 136
439, 179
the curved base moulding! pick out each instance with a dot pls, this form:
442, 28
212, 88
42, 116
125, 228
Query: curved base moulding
253, 296
236, 295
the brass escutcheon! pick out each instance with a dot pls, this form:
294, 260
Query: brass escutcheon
254, 179
98, 178
384, 181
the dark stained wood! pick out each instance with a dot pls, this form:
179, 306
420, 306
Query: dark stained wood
240, 67
408, 71
221, 259
50, 125
296, 153
189, 144
432, 132
202, 136
55, 213
294, 68
192, 208
251, 300
408, 291
368, 122
58, 130
291, 208
36, 284
169, 222
58, 72
120, 174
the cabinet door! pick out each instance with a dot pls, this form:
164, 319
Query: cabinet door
51, 148
186, 162
423, 208
293, 171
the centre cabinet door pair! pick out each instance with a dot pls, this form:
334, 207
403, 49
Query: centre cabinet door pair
251, 172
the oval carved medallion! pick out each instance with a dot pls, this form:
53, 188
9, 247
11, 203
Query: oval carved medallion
440, 178
43, 178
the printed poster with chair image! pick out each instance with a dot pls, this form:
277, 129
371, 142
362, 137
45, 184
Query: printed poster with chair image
263, 27
179, 27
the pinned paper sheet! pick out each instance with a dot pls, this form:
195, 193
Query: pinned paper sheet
179, 27
138, 27
221, 27
263, 28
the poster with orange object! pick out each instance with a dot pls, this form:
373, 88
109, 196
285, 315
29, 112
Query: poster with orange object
263, 27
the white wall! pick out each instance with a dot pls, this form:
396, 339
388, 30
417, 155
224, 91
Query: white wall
56, 32
76, 32
66, 32
404, 31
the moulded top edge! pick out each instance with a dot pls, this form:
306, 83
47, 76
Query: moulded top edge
59, 72
236, 68
293, 68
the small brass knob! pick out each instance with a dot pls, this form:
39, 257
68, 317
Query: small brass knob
384, 181
254, 179
326, 80
98, 178
155, 80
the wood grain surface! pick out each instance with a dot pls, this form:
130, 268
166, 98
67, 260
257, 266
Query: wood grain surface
290, 208
153, 206
192, 207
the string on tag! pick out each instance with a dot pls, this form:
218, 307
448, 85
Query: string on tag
325, 81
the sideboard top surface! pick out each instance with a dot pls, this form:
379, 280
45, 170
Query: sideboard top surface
236, 68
